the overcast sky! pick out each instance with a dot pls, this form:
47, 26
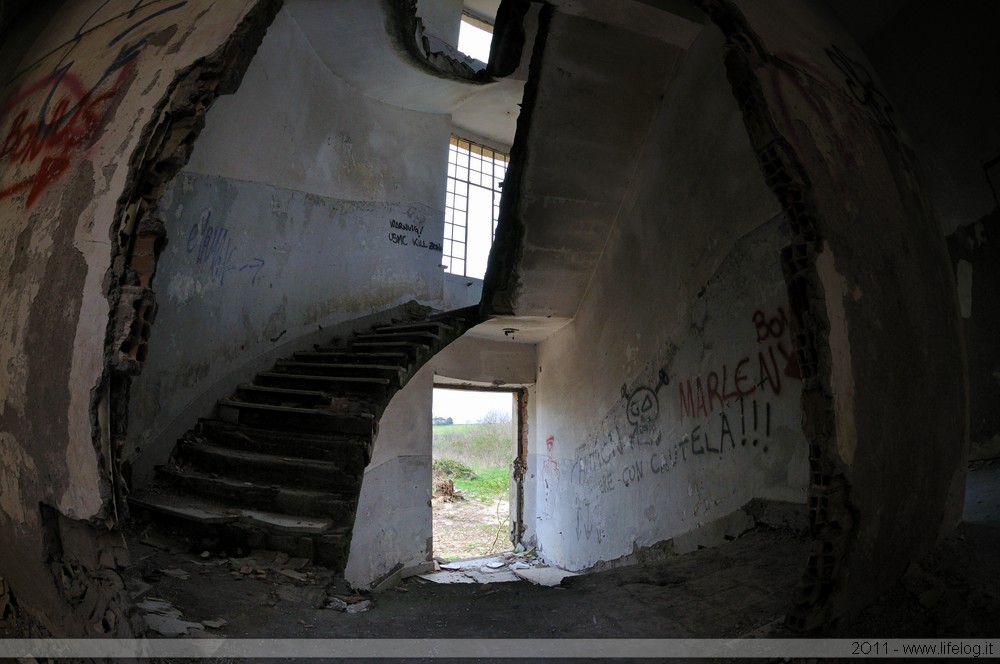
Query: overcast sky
469, 406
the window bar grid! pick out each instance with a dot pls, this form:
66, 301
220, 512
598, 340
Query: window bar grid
469, 165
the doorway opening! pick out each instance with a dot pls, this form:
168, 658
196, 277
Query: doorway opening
476, 447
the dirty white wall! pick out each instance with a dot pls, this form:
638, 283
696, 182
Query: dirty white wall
74, 113
641, 431
305, 204
393, 526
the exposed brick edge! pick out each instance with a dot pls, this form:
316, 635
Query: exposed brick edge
832, 518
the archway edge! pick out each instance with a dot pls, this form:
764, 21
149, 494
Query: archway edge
874, 306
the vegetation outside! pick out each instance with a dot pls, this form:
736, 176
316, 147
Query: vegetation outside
477, 458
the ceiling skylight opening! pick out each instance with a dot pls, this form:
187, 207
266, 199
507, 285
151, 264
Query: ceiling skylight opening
474, 38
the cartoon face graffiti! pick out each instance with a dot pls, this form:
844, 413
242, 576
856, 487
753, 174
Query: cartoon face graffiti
643, 410
643, 407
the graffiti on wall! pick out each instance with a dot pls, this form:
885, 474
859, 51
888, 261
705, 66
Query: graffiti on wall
215, 251
410, 235
551, 476
861, 84
48, 123
719, 412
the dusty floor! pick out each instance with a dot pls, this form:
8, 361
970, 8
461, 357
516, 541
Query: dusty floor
468, 527
739, 589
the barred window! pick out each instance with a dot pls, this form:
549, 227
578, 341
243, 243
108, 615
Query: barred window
472, 206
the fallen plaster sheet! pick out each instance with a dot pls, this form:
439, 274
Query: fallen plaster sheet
544, 576
502, 568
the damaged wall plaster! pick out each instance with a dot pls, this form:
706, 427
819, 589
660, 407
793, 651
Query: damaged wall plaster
663, 410
831, 150
77, 117
286, 222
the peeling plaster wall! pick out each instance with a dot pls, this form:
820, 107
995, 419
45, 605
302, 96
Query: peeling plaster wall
394, 522
874, 309
305, 204
642, 434
72, 117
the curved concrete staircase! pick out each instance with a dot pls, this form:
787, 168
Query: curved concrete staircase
281, 464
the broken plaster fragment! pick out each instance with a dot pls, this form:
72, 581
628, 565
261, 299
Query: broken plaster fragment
360, 607
176, 573
292, 574
215, 624
336, 604
168, 625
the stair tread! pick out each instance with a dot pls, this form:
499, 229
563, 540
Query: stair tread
283, 390
292, 363
223, 427
345, 379
236, 483
260, 457
430, 336
212, 512
320, 412
355, 343
416, 325
341, 351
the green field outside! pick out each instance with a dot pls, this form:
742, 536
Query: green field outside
476, 456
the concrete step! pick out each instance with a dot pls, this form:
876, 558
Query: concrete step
340, 355
417, 353
351, 451
392, 373
375, 388
282, 396
317, 538
437, 327
429, 339
195, 450
212, 512
338, 504
266, 416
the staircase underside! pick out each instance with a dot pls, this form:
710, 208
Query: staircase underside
280, 466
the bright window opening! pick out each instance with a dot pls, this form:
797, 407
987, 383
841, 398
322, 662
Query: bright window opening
474, 38
472, 206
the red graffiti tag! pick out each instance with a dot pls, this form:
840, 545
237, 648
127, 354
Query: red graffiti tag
773, 363
49, 126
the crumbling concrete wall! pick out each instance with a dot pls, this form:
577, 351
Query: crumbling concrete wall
105, 93
394, 529
318, 206
873, 306
672, 399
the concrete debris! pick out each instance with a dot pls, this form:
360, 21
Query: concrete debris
215, 624
5, 599
159, 607
163, 618
544, 576
360, 607
501, 568
177, 573
168, 625
349, 603
296, 563
292, 574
